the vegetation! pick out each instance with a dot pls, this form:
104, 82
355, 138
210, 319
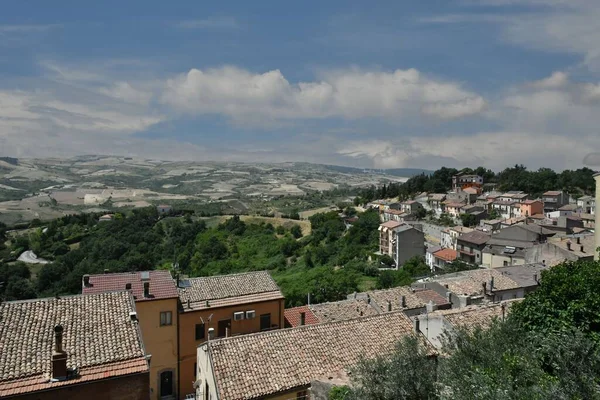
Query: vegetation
546, 348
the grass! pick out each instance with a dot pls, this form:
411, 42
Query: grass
367, 283
286, 223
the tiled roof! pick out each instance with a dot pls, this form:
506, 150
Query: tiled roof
446, 254
393, 212
481, 316
437, 196
461, 229
531, 202
263, 364
391, 224
292, 316
454, 204
568, 207
553, 193
162, 285
394, 295
470, 282
475, 237
225, 290
99, 338
342, 310
587, 241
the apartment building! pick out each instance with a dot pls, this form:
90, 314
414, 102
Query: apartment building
224, 306
156, 300
554, 199
401, 241
74, 347
470, 246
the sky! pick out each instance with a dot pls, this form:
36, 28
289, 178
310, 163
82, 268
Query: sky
383, 84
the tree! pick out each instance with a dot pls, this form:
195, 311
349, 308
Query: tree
408, 373
386, 260
468, 220
296, 231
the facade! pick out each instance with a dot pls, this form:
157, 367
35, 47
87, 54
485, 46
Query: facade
554, 199
282, 364
436, 203
531, 207
156, 299
410, 206
453, 209
462, 181
470, 246
509, 246
506, 208
450, 235
387, 243
429, 259
84, 346
410, 242
224, 306
584, 204
392, 215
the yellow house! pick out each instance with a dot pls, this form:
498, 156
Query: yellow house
156, 300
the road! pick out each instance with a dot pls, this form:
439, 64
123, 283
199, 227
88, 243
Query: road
29, 257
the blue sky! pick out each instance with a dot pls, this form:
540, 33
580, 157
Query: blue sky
380, 84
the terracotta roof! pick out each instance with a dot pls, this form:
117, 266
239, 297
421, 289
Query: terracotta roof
475, 237
342, 310
553, 193
587, 241
391, 224
446, 254
568, 207
470, 190
469, 283
292, 316
99, 338
162, 285
394, 296
472, 317
461, 229
263, 364
226, 290
437, 196
454, 204
531, 201
538, 216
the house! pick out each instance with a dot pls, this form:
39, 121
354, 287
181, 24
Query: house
587, 219
224, 306
163, 209
531, 207
436, 203
429, 260
584, 204
554, 199
461, 197
73, 347
513, 221
423, 199
282, 364
449, 236
106, 218
446, 241
509, 245
434, 326
565, 224
392, 215
453, 209
411, 301
461, 181
157, 303
490, 225
470, 246
570, 248
411, 206
329, 312
401, 241
506, 208
443, 257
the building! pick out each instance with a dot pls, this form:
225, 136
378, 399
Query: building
470, 246
282, 364
554, 199
401, 241
584, 204
513, 221
509, 245
531, 207
563, 211
490, 225
411, 301
462, 181
224, 306
429, 259
73, 347
164, 209
449, 236
436, 203
506, 208
443, 257
453, 209
411, 206
329, 312
106, 218
156, 300
434, 326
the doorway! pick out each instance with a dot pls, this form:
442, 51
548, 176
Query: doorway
166, 384
223, 326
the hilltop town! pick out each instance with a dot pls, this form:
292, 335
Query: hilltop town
226, 324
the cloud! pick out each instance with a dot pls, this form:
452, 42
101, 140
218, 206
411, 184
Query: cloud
556, 80
351, 94
209, 23
28, 28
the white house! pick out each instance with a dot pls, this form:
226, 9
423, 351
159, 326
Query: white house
429, 258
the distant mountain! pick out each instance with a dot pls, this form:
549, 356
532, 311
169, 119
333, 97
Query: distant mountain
403, 172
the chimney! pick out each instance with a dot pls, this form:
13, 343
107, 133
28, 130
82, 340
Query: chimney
416, 324
86, 280
189, 303
302, 318
308, 299
503, 310
106, 271
403, 301
389, 306
484, 287
146, 289
569, 245
431, 307
449, 297
59, 356
492, 284
128, 286
578, 240
211, 333
355, 295
581, 249
368, 299
227, 332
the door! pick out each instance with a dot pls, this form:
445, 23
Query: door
166, 384
223, 326
265, 322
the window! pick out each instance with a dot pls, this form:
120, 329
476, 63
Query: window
265, 322
303, 395
166, 384
200, 332
166, 318
505, 263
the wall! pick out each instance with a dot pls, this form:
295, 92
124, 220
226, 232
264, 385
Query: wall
132, 387
495, 261
159, 341
187, 332
205, 375
410, 243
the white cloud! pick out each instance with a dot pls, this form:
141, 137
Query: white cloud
28, 28
209, 23
351, 94
127, 93
556, 80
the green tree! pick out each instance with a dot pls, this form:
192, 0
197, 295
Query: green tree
296, 231
468, 220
